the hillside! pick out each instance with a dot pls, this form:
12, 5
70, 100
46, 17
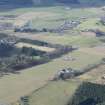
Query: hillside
18, 3
41, 41
10, 4
43, 2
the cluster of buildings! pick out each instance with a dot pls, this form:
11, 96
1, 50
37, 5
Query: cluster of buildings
67, 25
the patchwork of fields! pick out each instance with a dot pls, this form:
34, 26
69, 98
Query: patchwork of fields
89, 51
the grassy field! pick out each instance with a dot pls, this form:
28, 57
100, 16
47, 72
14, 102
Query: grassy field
93, 23
50, 17
41, 48
56, 9
94, 75
77, 40
59, 93
62, 15
12, 86
56, 93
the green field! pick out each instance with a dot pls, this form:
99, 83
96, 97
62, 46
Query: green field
36, 77
41, 48
93, 23
66, 39
56, 93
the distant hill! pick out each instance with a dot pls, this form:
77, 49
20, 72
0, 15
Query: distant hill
35, 2
20, 2
17, 3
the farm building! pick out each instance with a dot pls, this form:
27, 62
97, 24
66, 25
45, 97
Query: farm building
66, 74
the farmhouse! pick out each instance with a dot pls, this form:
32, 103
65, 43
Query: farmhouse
65, 74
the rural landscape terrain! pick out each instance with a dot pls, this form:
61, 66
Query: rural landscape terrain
52, 52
